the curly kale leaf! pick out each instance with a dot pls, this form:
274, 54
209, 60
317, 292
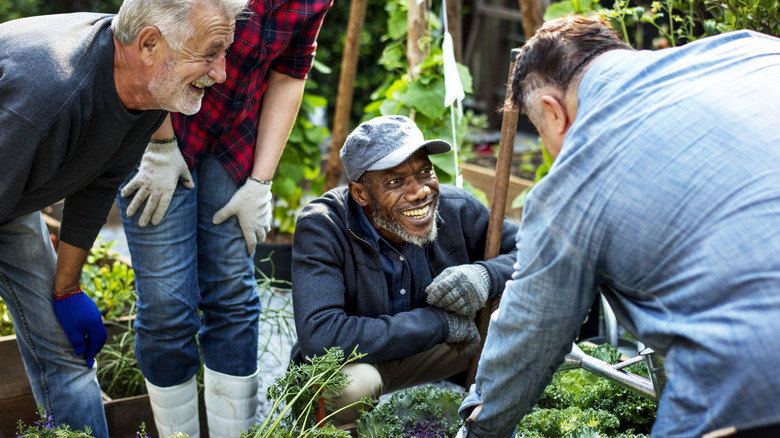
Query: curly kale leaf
585, 390
422, 412
571, 422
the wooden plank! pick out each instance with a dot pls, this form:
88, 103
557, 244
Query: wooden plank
124, 416
14, 409
483, 178
14, 381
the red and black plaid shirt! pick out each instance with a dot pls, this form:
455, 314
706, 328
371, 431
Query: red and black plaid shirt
279, 35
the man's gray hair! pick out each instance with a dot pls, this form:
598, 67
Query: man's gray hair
556, 55
171, 17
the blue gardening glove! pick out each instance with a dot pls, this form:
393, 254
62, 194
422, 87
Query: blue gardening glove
162, 166
463, 334
462, 289
251, 204
80, 318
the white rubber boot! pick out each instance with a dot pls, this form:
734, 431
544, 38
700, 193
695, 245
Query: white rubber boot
175, 408
231, 403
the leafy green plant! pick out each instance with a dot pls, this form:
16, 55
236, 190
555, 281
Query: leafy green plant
300, 393
109, 282
6, 325
298, 173
420, 412
578, 402
277, 323
118, 371
727, 15
541, 172
45, 428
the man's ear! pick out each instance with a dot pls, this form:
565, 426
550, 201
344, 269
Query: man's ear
149, 43
554, 115
359, 193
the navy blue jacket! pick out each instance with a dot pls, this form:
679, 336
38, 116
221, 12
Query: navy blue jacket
340, 294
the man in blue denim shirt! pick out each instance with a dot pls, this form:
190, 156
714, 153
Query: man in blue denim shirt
666, 188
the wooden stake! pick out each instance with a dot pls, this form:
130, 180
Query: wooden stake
357, 15
497, 209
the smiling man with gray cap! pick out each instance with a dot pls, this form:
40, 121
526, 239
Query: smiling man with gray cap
392, 265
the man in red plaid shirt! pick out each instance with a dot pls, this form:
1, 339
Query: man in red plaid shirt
204, 184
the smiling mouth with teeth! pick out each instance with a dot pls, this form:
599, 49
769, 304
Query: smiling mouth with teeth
418, 213
203, 82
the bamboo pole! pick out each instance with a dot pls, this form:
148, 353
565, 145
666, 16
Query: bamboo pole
357, 16
497, 209
415, 32
454, 12
532, 15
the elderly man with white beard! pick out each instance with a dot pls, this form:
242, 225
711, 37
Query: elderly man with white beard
80, 96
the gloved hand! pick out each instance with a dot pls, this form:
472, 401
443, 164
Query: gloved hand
80, 318
251, 204
461, 289
161, 167
463, 334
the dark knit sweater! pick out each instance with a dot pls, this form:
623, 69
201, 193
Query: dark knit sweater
64, 132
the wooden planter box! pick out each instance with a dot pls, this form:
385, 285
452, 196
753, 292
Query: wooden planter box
124, 416
484, 178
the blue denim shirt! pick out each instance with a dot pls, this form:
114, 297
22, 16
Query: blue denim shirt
667, 188
406, 270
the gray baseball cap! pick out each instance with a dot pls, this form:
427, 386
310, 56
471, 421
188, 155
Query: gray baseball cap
384, 142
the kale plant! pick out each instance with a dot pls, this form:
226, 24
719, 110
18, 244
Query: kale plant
579, 404
421, 412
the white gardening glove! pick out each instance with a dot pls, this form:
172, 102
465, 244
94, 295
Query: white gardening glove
161, 167
251, 204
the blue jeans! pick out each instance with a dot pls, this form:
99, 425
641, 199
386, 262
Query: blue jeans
185, 264
61, 382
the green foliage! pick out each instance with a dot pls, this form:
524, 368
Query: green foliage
577, 401
118, 371
45, 428
109, 282
13, 9
298, 173
297, 395
568, 7
422, 98
541, 172
571, 422
330, 49
277, 319
420, 412
6, 325
760, 15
